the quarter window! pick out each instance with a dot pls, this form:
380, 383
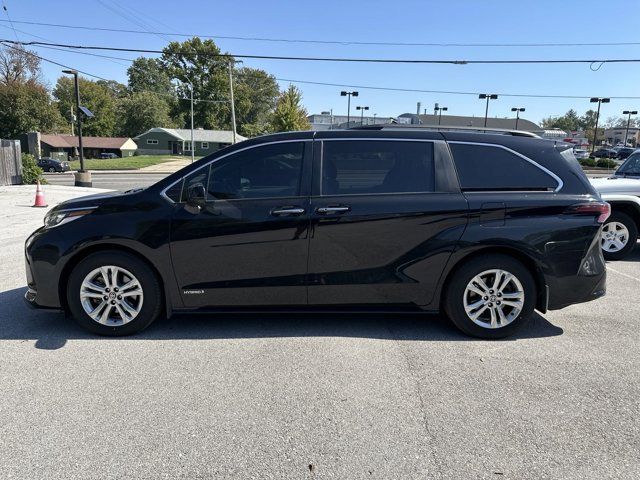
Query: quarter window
487, 167
273, 170
377, 166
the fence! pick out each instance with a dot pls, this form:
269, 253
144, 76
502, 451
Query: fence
10, 162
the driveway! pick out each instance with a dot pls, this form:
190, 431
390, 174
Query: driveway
315, 396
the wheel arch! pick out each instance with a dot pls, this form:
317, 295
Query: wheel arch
529, 263
83, 253
631, 209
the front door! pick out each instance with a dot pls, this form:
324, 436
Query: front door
383, 225
249, 244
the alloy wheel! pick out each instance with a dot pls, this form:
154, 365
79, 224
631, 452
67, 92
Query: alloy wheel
493, 298
111, 295
615, 236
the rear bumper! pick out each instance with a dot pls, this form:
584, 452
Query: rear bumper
577, 290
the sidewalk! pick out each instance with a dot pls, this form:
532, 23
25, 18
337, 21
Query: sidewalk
166, 167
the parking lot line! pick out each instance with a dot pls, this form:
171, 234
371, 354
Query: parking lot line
623, 274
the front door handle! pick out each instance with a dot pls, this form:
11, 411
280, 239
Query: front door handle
329, 210
285, 211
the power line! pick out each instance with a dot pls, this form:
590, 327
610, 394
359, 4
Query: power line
333, 42
343, 59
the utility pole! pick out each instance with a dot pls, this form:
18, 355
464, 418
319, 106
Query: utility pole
626, 132
193, 147
488, 96
517, 110
82, 177
599, 101
72, 120
233, 104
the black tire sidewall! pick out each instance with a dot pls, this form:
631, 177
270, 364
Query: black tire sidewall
152, 303
454, 306
633, 236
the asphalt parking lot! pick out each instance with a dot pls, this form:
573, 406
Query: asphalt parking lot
315, 396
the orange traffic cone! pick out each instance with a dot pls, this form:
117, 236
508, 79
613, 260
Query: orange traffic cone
40, 201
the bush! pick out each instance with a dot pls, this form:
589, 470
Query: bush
606, 163
588, 162
31, 172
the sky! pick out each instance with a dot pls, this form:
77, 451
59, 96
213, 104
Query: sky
400, 21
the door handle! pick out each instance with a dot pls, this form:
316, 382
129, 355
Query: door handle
330, 210
284, 211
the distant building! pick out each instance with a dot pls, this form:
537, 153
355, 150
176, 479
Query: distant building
463, 121
613, 136
177, 141
65, 146
328, 121
553, 134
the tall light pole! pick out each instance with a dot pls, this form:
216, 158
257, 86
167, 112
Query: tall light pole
362, 109
626, 132
439, 110
488, 96
82, 177
233, 103
517, 110
349, 95
599, 101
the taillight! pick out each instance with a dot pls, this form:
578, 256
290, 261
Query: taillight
601, 209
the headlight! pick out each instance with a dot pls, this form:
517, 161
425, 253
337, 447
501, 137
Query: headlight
55, 218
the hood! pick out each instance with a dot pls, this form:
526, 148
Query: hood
617, 185
94, 200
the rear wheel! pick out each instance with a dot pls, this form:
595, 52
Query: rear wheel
491, 296
114, 293
619, 236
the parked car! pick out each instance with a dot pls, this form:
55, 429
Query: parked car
622, 191
580, 153
52, 165
624, 152
485, 227
108, 155
605, 153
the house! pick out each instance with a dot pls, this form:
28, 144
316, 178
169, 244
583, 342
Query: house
464, 121
65, 146
177, 141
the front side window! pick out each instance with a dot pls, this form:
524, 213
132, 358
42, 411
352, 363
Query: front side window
631, 166
491, 168
356, 167
273, 170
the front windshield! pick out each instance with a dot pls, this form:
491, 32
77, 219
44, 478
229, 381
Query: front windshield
631, 166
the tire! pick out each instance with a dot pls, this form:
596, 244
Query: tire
143, 298
616, 224
515, 317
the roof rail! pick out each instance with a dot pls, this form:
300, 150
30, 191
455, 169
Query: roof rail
449, 128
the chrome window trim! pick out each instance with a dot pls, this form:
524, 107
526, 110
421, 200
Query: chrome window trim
378, 139
518, 154
163, 192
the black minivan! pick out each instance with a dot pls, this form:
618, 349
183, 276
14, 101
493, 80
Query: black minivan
484, 227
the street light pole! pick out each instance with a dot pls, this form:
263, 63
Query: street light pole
348, 95
82, 177
488, 96
517, 110
600, 101
626, 132
440, 110
362, 109
233, 104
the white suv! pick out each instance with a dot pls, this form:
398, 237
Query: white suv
622, 191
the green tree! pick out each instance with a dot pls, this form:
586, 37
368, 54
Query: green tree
97, 97
18, 66
117, 89
588, 120
255, 93
148, 75
568, 122
289, 113
141, 111
27, 107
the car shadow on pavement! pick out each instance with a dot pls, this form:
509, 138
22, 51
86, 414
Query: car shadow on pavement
51, 329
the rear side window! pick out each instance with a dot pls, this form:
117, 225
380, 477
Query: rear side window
355, 167
487, 167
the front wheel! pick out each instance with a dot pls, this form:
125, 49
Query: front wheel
114, 293
490, 296
619, 235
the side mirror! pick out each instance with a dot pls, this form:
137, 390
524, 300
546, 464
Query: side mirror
196, 195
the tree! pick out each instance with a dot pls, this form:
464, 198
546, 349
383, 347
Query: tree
97, 97
255, 93
202, 64
25, 108
148, 75
289, 113
141, 111
18, 66
568, 122
117, 89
